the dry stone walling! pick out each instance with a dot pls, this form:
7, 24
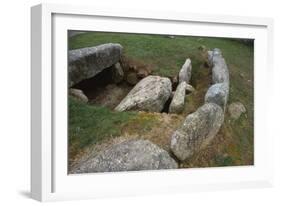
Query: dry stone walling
200, 127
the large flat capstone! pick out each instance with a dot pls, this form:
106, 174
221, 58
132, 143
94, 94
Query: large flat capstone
87, 62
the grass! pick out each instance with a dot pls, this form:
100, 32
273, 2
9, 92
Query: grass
89, 124
233, 145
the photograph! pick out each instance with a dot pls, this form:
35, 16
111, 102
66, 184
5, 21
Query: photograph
140, 102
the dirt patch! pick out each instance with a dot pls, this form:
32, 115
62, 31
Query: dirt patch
111, 95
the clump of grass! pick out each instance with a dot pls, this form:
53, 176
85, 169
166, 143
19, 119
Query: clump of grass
141, 123
222, 160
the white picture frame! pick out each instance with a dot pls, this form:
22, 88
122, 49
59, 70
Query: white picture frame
49, 178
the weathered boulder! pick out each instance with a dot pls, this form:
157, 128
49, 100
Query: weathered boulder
132, 155
117, 73
189, 88
197, 130
78, 94
185, 72
218, 94
220, 73
177, 103
150, 94
236, 109
87, 62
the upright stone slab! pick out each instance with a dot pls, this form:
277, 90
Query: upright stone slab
177, 104
218, 94
87, 62
185, 72
220, 73
198, 129
117, 73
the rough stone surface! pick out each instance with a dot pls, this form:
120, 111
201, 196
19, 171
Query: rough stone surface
150, 94
132, 155
185, 72
189, 88
236, 109
198, 129
132, 78
87, 62
78, 94
117, 73
177, 104
220, 73
218, 94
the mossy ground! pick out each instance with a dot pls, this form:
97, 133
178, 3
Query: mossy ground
91, 126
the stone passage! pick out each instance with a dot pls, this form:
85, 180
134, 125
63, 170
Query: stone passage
200, 127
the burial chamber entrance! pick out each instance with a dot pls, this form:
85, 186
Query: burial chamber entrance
102, 90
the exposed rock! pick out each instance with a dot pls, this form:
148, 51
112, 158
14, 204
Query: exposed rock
132, 155
218, 94
150, 94
189, 88
87, 62
177, 104
117, 73
220, 73
198, 129
78, 94
132, 78
185, 72
236, 109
